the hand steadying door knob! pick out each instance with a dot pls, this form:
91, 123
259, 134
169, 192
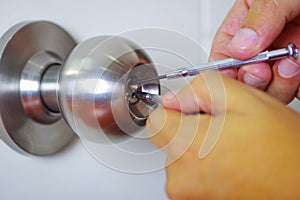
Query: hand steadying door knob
50, 88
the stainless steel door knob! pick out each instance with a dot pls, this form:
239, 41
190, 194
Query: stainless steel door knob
52, 88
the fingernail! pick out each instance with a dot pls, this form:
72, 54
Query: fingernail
253, 81
287, 68
245, 38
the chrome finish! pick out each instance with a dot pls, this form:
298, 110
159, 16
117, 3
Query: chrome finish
50, 88
26, 51
154, 98
31, 87
94, 94
293, 51
290, 51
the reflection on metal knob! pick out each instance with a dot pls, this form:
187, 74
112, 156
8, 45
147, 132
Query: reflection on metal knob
51, 89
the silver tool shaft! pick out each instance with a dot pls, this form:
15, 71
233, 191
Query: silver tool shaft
290, 51
152, 98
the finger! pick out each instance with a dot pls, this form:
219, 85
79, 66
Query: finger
193, 98
210, 93
231, 72
172, 131
256, 75
262, 25
284, 85
229, 27
162, 121
286, 79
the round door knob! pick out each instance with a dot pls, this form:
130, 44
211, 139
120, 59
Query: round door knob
52, 88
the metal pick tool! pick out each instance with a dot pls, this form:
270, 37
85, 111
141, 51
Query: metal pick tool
151, 98
290, 51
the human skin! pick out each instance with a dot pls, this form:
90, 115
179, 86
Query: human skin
252, 26
256, 156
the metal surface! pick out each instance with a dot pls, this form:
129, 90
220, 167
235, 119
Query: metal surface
46, 82
95, 93
31, 89
49, 88
290, 51
151, 98
27, 50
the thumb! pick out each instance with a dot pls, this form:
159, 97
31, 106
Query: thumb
205, 93
262, 25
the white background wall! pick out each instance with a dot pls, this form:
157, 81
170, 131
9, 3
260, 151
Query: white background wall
73, 173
